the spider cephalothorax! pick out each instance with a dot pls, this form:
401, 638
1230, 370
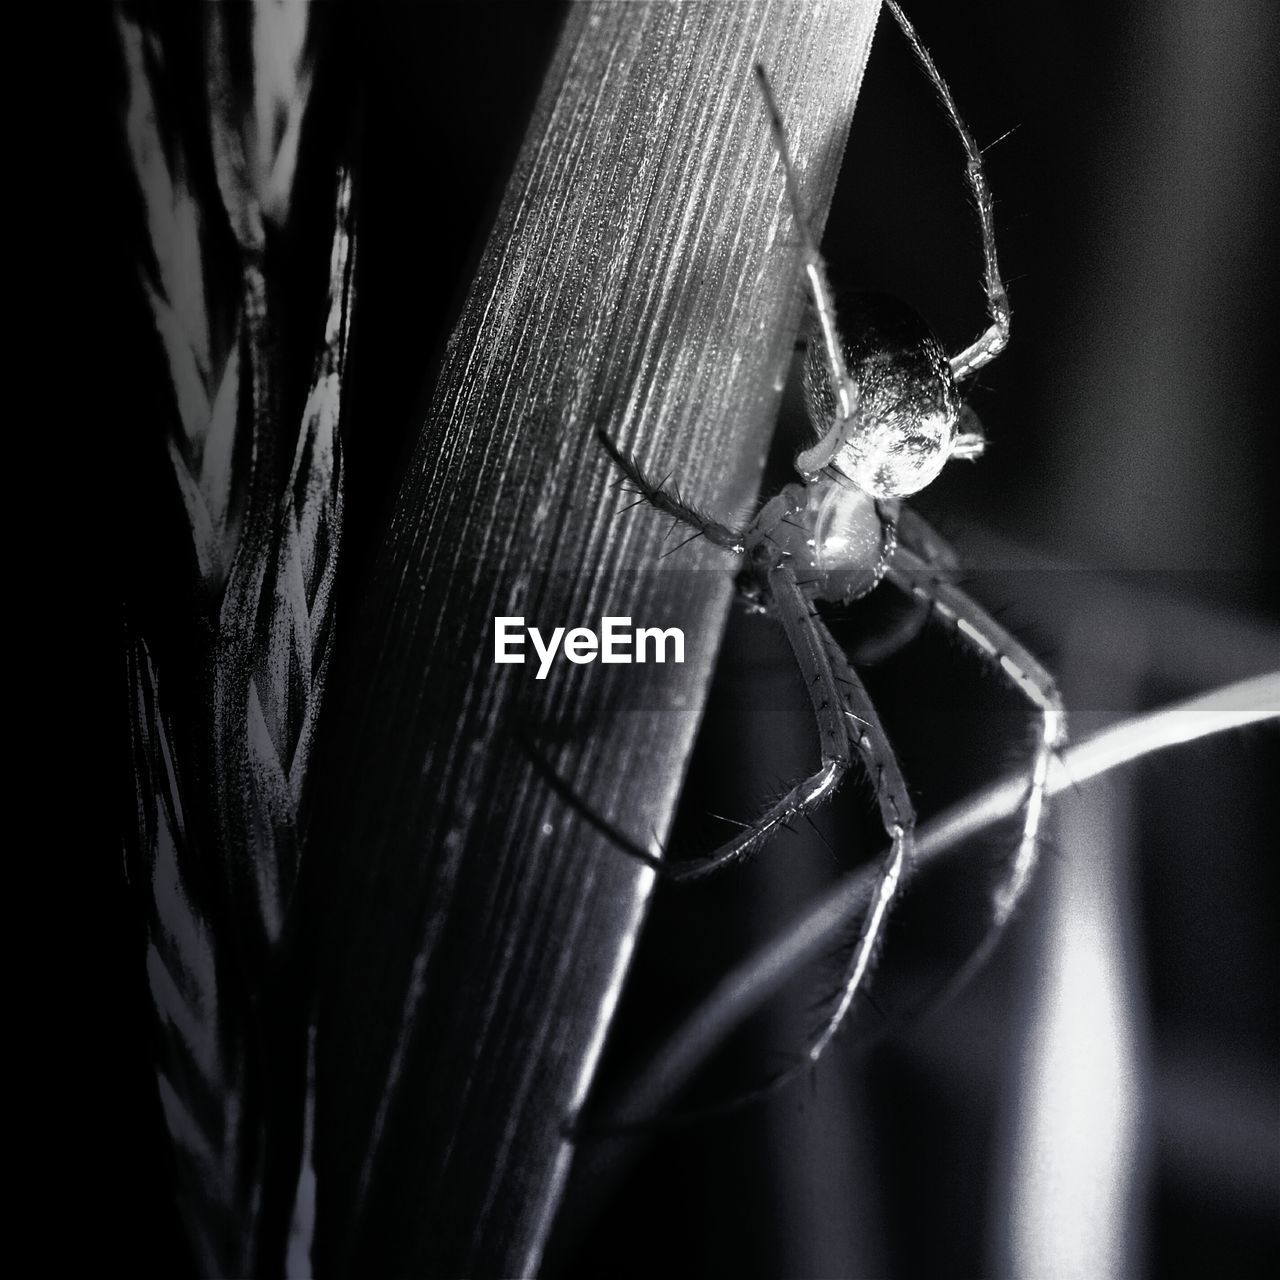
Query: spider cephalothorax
886, 411
834, 537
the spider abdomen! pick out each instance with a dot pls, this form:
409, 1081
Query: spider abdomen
903, 427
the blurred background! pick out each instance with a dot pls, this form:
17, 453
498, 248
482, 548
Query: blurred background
1103, 1099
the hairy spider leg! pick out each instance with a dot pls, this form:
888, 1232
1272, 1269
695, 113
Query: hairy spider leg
867, 736
825, 666
847, 721
996, 338
815, 271
790, 606
668, 500
815, 274
982, 633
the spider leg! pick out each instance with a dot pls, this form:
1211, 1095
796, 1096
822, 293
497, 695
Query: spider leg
855, 725
846, 719
921, 539
668, 500
996, 337
867, 735
812, 461
812, 647
981, 632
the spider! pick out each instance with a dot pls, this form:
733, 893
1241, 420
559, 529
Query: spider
887, 411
